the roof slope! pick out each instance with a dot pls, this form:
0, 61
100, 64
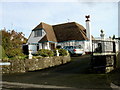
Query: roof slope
50, 35
69, 31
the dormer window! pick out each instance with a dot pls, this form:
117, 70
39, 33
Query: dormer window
38, 33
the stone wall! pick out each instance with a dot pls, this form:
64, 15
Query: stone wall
105, 63
118, 59
19, 66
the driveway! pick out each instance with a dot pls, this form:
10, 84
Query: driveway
73, 75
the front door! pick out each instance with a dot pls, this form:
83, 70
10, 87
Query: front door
52, 46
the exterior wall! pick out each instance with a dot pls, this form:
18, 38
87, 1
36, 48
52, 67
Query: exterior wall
40, 45
86, 46
32, 48
33, 39
46, 45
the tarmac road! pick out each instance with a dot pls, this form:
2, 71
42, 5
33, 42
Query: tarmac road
70, 76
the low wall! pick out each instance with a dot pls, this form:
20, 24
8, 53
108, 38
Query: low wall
118, 59
18, 66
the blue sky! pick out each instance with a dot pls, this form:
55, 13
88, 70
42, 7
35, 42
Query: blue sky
24, 16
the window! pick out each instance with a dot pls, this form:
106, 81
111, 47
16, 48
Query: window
38, 33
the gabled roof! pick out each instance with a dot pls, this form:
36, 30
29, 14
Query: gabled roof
69, 31
50, 35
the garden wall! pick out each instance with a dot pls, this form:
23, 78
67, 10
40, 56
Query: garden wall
19, 66
118, 59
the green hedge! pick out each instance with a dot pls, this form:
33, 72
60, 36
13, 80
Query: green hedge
62, 52
45, 53
50, 53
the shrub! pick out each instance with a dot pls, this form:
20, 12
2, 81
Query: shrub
45, 53
5, 59
14, 52
2, 52
21, 57
62, 52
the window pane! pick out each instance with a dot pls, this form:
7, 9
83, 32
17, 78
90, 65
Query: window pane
38, 33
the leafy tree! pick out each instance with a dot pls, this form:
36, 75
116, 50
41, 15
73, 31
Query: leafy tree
12, 42
113, 37
2, 52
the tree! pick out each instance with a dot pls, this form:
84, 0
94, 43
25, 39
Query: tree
11, 42
113, 37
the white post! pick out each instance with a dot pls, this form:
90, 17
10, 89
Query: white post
88, 32
48, 45
30, 55
102, 38
57, 52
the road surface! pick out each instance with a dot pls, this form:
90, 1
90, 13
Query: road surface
71, 76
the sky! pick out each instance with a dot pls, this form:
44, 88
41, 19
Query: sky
24, 16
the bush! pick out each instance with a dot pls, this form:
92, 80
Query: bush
2, 52
5, 59
62, 52
23, 57
14, 52
45, 53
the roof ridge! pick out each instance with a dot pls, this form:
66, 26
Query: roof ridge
63, 23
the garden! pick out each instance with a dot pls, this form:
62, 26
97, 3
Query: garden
11, 48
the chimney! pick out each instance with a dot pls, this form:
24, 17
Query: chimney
88, 32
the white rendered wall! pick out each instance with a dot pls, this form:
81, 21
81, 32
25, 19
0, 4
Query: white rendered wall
33, 39
32, 48
73, 43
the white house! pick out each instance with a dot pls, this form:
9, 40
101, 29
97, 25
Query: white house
45, 36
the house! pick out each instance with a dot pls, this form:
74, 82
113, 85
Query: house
45, 36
